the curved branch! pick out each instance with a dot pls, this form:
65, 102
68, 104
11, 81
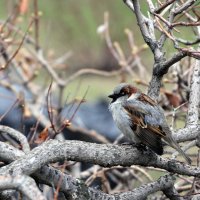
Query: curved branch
18, 136
71, 186
9, 153
106, 155
163, 68
22, 183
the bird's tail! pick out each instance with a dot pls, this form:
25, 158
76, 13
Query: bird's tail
175, 145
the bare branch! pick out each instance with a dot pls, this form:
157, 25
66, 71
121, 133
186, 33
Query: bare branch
184, 7
187, 134
101, 154
19, 47
9, 153
194, 101
185, 24
18, 136
24, 184
172, 193
167, 3
188, 42
148, 36
71, 186
163, 69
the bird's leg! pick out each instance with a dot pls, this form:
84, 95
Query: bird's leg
140, 146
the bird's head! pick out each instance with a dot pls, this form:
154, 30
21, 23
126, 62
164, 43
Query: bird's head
123, 90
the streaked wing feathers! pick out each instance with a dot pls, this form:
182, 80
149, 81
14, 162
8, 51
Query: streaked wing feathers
148, 128
139, 118
144, 98
150, 139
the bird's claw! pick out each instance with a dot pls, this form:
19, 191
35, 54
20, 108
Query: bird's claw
141, 146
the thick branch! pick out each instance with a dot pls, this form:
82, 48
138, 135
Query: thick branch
106, 155
9, 153
73, 187
187, 134
172, 194
194, 101
16, 135
140, 193
154, 86
24, 184
163, 68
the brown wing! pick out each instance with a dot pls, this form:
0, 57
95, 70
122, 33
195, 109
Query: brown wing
144, 98
149, 134
149, 138
138, 118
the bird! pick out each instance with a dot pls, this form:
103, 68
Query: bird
141, 119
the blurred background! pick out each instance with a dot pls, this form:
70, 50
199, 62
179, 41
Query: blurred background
71, 27
61, 59
78, 51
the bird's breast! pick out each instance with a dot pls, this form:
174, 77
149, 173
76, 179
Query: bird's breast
122, 120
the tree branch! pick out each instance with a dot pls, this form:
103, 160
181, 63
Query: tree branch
106, 155
184, 7
143, 23
22, 183
16, 135
194, 101
163, 6
163, 68
9, 153
187, 134
75, 188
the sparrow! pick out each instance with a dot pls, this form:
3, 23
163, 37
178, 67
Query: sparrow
141, 119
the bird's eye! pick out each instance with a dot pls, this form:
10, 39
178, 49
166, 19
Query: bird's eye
123, 93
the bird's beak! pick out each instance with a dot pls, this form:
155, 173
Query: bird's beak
111, 96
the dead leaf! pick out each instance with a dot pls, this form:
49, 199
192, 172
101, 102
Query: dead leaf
42, 136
